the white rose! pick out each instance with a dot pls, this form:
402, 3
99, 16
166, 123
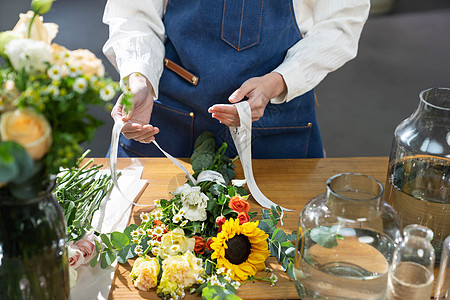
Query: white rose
29, 54
40, 31
194, 203
27, 128
180, 189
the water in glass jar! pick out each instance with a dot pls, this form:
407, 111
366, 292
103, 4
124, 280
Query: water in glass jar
357, 268
418, 188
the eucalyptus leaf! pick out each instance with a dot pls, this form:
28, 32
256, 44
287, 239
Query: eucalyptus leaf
205, 135
119, 240
126, 253
107, 259
325, 236
105, 239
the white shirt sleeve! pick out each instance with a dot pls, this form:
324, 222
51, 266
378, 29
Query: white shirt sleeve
136, 38
331, 32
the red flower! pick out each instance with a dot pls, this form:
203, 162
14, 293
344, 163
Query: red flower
208, 243
220, 220
243, 218
239, 204
199, 247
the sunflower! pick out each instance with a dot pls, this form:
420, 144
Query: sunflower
240, 248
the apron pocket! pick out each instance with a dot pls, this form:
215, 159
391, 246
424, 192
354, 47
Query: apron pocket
241, 23
176, 127
281, 141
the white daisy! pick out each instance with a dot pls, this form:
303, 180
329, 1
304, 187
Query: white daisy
157, 202
184, 223
54, 72
72, 71
175, 248
141, 231
157, 214
236, 284
155, 251
181, 212
145, 217
220, 270
53, 90
136, 240
138, 250
107, 93
158, 231
134, 233
176, 219
80, 85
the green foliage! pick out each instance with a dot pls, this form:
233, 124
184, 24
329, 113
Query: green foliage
280, 244
325, 236
218, 293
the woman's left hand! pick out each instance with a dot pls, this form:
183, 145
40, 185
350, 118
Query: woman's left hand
258, 90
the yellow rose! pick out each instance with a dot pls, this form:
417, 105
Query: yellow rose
27, 128
87, 62
166, 287
145, 273
40, 31
182, 269
175, 242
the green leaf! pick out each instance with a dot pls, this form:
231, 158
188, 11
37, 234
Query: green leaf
202, 162
231, 191
106, 241
119, 240
218, 293
290, 270
216, 189
205, 135
108, 258
129, 229
94, 260
126, 253
279, 235
324, 236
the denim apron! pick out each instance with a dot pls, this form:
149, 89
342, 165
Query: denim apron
224, 43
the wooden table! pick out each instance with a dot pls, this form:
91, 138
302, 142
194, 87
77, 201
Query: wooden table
289, 183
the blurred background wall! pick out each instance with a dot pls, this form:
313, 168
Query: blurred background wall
404, 49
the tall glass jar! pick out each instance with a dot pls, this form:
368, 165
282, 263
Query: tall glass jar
411, 274
418, 180
346, 240
33, 255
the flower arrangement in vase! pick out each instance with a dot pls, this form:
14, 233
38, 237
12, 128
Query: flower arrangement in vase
45, 93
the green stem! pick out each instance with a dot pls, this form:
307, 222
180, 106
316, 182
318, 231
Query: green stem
31, 24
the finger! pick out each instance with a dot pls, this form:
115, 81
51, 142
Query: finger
141, 134
241, 92
223, 108
226, 121
146, 138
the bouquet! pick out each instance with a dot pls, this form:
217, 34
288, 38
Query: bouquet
203, 239
45, 93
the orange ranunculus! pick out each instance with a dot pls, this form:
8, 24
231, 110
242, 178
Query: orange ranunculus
208, 244
239, 204
199, 247
243, 218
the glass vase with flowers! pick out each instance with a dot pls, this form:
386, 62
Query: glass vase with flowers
45, 94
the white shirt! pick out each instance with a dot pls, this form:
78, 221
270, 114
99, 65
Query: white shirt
331, 31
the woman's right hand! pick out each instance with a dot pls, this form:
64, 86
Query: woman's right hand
139, 128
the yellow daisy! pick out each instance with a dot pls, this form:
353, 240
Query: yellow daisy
242, 248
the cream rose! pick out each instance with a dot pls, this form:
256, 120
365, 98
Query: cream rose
60, 54
87, 62
175, 242
145, 273
27, 128
29, 54
40, 31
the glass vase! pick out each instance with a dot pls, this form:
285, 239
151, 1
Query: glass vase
418, 179
411, 274
346, 240
33, 255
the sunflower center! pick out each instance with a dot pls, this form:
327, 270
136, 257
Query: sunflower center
239, 248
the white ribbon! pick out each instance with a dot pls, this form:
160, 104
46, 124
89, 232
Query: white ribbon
242, 137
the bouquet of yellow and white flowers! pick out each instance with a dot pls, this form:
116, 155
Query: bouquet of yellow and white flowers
203, 239
45, 93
